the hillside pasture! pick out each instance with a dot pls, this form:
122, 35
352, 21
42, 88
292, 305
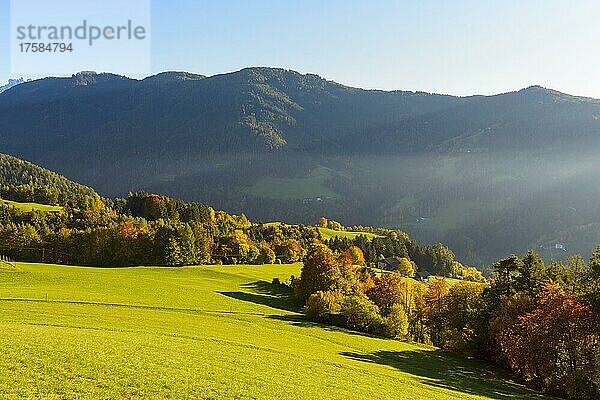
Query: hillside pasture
328, 234
26, 207
311, 186
204, 332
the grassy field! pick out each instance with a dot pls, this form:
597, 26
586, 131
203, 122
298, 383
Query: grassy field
327, 234
207, 333
31, 206
312, 185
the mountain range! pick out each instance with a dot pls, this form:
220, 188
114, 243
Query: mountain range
486, 174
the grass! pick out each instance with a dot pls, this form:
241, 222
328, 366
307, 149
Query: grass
204, 332
327, 234
26, 207
453, 215
312, 186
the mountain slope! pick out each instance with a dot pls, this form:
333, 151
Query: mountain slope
262, 108
486, 174
535, 117
105, 120
15, 173
98, 126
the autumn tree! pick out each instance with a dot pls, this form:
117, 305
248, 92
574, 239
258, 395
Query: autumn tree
396, 322
406, 267
240, 247
320, 272
434, 299
387, 291
355, 255
266, 255
555, 346
462, 308
290, 250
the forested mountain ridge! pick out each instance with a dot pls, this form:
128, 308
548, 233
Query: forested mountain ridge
23, 181
108, 118
535, 116
263, 108
486, 174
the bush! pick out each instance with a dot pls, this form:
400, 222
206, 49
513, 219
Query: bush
266, 255
322, 304
361, 313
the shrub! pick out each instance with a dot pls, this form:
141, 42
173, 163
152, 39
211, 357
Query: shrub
266, 255
361, 313
322, 304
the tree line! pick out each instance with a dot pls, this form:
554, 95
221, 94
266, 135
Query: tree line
151, 229
539, 320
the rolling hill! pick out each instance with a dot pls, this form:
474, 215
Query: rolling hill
488, 175
204, 332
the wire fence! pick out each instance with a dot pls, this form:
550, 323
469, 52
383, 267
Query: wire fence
7, 261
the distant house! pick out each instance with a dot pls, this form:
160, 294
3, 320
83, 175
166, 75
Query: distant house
310, 200
388, 264
422, 276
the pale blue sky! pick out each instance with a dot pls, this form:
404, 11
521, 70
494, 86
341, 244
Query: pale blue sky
458, 47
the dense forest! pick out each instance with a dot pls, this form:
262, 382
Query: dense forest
25, 182
487, 175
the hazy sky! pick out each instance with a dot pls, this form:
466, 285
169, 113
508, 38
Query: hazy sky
459, 47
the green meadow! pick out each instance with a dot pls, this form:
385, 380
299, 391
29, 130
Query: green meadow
26, 207
327, 234
204, 332
313, 185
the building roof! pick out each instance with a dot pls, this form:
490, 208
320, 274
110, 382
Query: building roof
423, 274
391, 261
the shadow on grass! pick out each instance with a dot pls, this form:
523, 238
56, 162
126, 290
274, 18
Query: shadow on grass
267, 294
437, 368
445, 370
301, 321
